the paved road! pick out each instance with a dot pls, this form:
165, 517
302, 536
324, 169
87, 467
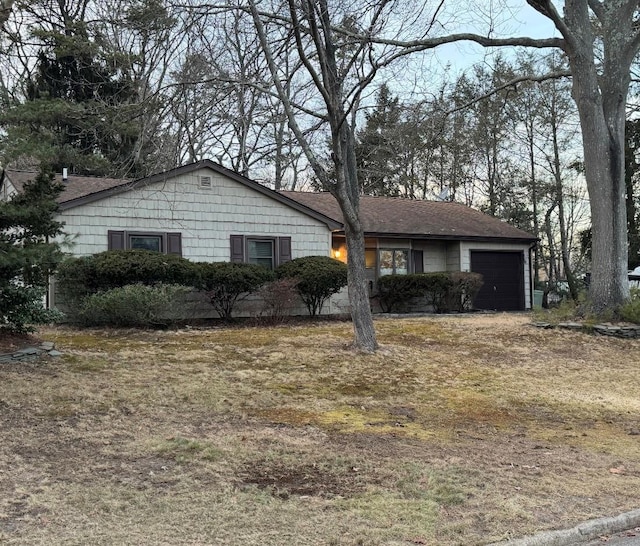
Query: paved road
626, 538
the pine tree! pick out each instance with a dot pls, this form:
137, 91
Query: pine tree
632, 172
28, 253
377, 147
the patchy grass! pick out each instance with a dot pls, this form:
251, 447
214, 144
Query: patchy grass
460, 430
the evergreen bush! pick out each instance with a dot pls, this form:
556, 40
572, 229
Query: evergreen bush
318, 278
134, 305
78, 277
630, 311
444, 291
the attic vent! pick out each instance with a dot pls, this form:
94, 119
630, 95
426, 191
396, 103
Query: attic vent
205, 182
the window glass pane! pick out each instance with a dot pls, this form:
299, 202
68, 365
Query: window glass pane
401, 262
260, 252
386, 262
370, 258
146, 242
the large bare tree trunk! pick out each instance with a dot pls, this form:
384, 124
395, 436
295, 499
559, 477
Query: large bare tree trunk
5, 11
313, 32
347, 194
601, 102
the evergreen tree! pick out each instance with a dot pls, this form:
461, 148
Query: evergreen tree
85, 105
632, 173
377, 146
28, 254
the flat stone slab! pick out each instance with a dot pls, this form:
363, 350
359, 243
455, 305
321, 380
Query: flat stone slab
571, 325
607, 329
31, 353
26, 351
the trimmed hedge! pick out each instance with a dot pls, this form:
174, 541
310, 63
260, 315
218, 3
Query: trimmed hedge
226, 283
318, 278
444, 291
78, 277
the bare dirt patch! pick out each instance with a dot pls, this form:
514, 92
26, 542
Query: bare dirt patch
460, 430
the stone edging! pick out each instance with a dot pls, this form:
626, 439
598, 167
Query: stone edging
610, 330
588, 530
46, 348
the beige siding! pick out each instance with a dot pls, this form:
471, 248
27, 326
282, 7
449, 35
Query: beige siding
434, 255
7, 191
454, 256
205, 217
467, 247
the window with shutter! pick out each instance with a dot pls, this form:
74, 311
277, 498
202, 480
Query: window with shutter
267, 251
169, 243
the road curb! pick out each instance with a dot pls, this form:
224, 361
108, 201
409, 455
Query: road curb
588, 530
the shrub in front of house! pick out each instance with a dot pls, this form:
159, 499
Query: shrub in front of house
630, 311
77, 277
133, 305
279, 298
226, 283
443, 291
396, 291
462, 291
317, 277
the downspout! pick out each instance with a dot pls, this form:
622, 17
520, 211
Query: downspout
531, 274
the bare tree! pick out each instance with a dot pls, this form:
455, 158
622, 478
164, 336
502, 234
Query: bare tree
601, 40
340, 71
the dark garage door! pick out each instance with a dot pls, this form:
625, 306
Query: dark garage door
503, 273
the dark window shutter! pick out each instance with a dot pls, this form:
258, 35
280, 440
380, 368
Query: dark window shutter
115, 240
417, 257
174, 243
237, 248
284, 250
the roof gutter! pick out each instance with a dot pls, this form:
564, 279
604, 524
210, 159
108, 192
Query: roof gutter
436, 237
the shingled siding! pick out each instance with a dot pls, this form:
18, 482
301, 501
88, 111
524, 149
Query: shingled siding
206, 218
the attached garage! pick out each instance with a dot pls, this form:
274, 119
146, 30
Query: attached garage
503, 274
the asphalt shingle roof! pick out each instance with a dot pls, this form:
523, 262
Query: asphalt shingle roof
380, 216
75, 187
401, 216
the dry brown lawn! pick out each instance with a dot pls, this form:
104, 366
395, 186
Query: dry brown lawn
460, 430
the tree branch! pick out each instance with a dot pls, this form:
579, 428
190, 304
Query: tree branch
286, 103
430, 43
511, 83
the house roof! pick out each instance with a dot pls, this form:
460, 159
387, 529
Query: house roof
76, 187
380, 216
402, 217
81, 190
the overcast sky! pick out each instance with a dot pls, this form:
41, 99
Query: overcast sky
519, 19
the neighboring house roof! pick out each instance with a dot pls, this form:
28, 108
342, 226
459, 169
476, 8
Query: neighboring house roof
76, 186
401, 217
81, 190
